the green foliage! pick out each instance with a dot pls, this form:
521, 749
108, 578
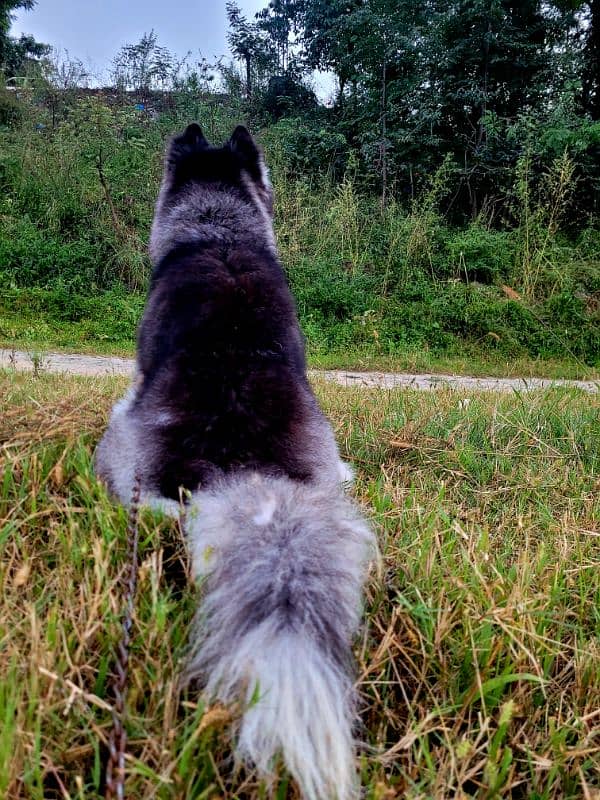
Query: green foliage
250, 44
478, 81
305, 148
10, 109
144, 65
78, 188
17, 56
483, 255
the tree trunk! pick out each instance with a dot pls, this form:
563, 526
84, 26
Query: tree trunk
248, 77
591, 78
383, 136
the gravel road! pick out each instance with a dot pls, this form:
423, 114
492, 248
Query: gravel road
76, 364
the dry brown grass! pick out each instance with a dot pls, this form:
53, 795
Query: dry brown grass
479, 662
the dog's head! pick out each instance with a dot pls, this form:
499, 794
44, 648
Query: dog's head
204, 185
238, 164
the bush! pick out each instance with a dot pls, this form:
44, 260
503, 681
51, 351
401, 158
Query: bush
76, 204
300, 148
11, 112
480, 254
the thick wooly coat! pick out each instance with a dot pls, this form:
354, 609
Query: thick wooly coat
221, 406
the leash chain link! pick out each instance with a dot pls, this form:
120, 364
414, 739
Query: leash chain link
115, 767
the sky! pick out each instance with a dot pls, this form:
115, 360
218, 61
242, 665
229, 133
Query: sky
94, 30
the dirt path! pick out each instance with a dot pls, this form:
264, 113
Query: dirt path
112, 365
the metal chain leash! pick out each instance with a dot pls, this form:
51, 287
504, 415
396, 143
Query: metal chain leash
115, 767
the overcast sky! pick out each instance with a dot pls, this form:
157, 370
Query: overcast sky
94, 30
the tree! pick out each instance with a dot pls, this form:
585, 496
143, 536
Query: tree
376, 50
65, 73
146, 65
492, 55
250, 44
488, 59
591, 59
279, 21
331, 37
586, 24
15, 54
450, 82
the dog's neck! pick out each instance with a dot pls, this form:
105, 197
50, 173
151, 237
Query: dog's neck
219, 218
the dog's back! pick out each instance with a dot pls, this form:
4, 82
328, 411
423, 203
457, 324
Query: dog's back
222, 368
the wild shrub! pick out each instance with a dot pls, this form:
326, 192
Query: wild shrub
77, 201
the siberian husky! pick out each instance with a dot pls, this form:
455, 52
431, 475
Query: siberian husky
221, 407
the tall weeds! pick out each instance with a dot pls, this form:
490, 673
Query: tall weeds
539, 216
78, 191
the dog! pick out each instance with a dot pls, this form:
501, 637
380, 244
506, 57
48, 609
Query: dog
221, 407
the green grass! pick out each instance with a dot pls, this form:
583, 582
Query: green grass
469, 361
478, 660
41, 319
39, 322
397, 288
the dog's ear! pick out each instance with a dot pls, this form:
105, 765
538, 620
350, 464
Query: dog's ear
191, 141
241, 142
194, 137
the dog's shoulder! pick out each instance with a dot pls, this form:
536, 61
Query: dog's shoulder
212, 303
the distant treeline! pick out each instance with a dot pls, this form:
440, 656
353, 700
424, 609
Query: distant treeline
478, 86
446, 198
475, 84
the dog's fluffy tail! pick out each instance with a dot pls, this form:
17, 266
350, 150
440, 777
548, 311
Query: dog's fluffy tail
285, 563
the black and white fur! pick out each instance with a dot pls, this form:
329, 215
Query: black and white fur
221, 406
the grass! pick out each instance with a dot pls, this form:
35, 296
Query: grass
40, 333
467, 362
479, 658
400, 287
